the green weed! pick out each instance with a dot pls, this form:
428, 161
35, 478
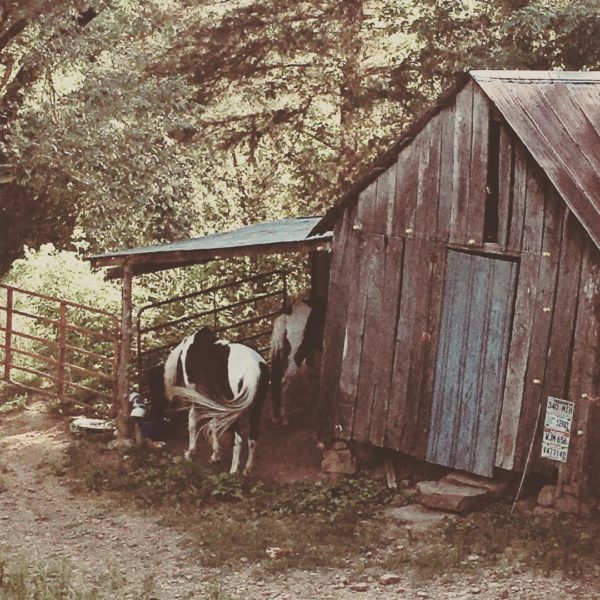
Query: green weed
12, 403
230, 520
55, 581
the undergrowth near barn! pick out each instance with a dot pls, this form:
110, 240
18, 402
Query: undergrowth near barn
229, 520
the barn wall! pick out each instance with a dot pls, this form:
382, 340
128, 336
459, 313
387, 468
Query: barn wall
387, 278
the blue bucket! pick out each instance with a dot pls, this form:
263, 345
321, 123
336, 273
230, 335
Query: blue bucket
151, 429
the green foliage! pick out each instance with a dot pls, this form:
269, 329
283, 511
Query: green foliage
14, 401
317, 524
62, 274
150, 121
498, 538
54, 580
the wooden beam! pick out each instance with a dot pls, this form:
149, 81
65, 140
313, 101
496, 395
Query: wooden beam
122, 399
161, 261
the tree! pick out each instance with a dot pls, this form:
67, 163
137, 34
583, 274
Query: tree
142, 122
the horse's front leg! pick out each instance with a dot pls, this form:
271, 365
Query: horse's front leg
214, 442
192, 421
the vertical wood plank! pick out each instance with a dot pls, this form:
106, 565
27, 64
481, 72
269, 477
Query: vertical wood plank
564, 310
335, 326
463, 119
343, 261
412, 342
353, 343
450, 360
493, 375
534, 209
429, 348
366, 208
446, 174
473, 355
384, 197
505, 183
584, 380
366, 385
515, 232
479, 167
517, 361
428, 184
389, 185
387, 327
406, 324
405, 197
540, 337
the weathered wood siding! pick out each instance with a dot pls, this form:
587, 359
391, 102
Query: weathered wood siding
387, 285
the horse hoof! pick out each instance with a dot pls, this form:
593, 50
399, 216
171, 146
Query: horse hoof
215, 458
275, 420
320, 446
285, 422
189, 455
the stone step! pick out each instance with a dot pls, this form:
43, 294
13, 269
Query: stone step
452, 497
417, 517
494, 487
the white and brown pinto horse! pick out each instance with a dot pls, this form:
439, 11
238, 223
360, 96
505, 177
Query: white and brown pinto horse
221, 381
297, 336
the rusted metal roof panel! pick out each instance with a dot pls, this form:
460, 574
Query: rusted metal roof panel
557, 118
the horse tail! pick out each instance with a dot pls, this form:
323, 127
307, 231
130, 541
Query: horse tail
223, 411
279, 354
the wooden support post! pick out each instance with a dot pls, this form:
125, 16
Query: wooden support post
124, 354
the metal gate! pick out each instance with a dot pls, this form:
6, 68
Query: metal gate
471, 362
243, 309
57, 348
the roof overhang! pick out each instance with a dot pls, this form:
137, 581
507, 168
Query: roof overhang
275, 237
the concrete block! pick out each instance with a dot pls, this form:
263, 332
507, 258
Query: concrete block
452, 497
547, 496
494, 487
339, 461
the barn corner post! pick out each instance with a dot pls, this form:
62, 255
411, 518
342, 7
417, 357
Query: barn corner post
122, 398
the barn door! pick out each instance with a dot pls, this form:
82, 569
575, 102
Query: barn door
471, 362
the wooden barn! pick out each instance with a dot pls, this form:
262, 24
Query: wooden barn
465, 280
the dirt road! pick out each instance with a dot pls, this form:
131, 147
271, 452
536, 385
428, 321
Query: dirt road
127, 552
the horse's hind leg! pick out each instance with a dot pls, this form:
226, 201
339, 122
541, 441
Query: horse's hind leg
214, 442
237, 450
254, 418
191, 433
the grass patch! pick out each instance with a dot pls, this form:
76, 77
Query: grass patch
54, 580
13, 403
230, 520
497, 539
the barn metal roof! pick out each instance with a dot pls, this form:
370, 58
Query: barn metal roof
557, 117
275, 237
556, 114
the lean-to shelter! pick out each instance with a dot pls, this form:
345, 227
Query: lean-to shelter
276, 237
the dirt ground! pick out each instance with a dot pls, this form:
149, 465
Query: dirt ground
41, 518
